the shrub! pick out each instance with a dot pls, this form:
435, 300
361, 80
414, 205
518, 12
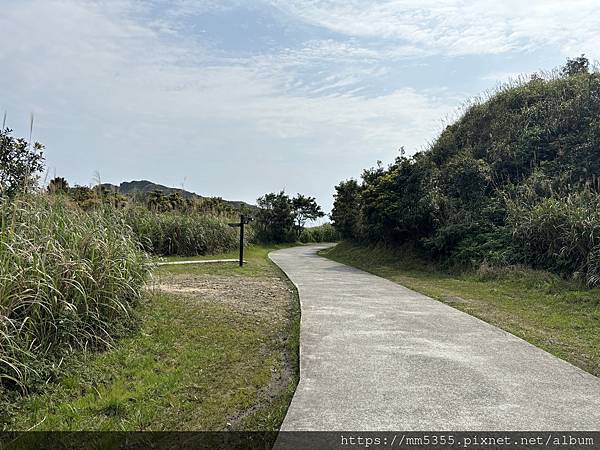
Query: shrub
68, 280
322, 233
515, 180
562, 234
175, 233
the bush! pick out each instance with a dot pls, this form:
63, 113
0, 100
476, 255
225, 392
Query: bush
68, 280
515, 180
562, 234
175, 233
322, 233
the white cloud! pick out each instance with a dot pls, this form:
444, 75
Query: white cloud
121, 95
459, 27
121, 86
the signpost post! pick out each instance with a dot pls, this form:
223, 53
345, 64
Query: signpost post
244, 220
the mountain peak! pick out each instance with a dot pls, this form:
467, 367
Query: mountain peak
145, 186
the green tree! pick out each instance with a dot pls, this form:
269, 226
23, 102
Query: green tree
81, 193
398, 202
466, 178
214, 205
304, 208
58, 185
157, 200
346, 208
275, 219
20, 163
576, 66
176, 201
114, 198
515, 179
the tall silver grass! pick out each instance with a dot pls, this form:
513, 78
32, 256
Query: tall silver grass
562, 233
174, 233
68, 280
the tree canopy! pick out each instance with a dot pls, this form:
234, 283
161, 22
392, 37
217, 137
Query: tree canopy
303, 209
282, 219
525, 162
20, 163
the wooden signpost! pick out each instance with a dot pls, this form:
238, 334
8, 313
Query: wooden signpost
244, 220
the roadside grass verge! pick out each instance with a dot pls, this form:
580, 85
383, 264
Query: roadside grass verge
216, 349
256, 255
557, 315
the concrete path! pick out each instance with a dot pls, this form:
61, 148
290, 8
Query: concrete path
377, 356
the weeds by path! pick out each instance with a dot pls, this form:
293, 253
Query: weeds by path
214, 351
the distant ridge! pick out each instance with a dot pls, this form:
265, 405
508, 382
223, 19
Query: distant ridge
143, 187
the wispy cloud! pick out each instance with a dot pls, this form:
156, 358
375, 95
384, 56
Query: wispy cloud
460, 27
112, 88
139, 89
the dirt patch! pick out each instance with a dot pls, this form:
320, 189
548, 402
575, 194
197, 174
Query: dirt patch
269, 297
452, 299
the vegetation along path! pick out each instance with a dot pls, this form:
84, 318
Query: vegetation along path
375, 355
215, 349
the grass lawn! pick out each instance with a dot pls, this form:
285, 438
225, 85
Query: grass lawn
557, 315
216, 349
259, 263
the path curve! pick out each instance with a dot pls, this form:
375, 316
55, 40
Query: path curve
375, 355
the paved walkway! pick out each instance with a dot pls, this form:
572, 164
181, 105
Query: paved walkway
377, 356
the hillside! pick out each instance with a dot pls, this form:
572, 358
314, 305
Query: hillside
143, 187
515, 180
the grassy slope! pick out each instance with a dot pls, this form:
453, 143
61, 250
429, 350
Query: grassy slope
551, 313
191, 366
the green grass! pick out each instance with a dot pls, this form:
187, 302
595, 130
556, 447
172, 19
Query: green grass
193, 364
185, 234
557, 315
69, 280
257, 265
320, 233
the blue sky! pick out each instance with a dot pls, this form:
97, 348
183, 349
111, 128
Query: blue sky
239, 98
